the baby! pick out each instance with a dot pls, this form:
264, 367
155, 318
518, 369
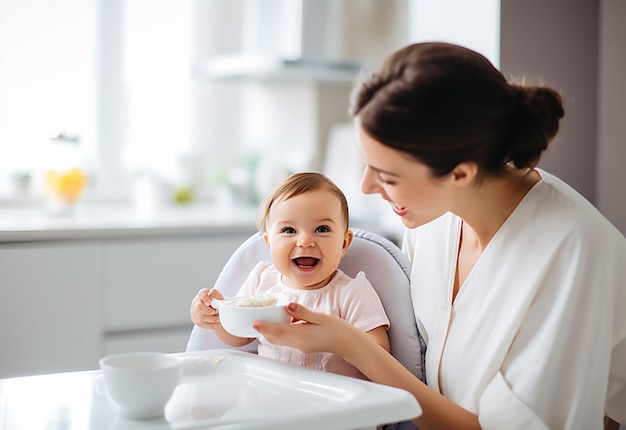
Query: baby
304, 223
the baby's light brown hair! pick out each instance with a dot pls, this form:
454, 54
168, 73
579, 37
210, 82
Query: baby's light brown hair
297, 184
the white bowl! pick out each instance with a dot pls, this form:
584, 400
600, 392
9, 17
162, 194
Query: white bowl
141, 383
237, 315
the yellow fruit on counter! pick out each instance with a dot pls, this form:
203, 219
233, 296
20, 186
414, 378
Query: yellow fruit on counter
67, 185
183, 195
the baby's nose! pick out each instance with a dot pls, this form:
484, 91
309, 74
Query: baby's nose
305, 240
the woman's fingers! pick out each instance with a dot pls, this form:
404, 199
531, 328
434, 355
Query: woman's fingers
294, 335
309, 331
301, 313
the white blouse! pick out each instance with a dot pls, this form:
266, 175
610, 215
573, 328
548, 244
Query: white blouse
536, 336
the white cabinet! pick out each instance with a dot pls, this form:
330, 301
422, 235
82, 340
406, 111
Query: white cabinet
149, 286
65, 304
173, 339
50, 307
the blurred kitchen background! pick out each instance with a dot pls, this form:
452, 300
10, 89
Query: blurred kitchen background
138, 136
215, 101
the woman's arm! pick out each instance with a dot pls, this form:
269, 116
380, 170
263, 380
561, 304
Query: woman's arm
322, 332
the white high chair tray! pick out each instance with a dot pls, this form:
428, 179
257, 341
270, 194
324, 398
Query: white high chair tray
220, 389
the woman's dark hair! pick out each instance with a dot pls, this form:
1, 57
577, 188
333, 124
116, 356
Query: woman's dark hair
444, 104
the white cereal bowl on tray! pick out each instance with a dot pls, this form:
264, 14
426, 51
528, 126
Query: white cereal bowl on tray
238, 314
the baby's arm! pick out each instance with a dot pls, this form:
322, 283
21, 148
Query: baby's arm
380, 336
206, 316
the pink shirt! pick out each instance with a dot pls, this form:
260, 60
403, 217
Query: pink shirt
352, 299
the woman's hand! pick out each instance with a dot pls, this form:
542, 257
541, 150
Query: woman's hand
317, 332
202, 313
310, 331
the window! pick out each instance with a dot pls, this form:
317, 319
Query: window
47, 79
114, 74
120, 76
156, 77
474, 24
123, 77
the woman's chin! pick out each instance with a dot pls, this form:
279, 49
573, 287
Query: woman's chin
409, 222
408, 218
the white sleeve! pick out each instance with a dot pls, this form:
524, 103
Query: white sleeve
500, 408
616, 392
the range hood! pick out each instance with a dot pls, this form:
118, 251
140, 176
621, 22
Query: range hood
287, 40
268, 68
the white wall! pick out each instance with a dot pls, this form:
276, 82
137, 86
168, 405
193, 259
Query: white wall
474, 24
557, 43
579, 50
611, 149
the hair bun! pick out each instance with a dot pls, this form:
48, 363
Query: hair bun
536, 122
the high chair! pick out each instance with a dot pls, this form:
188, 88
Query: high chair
384, 264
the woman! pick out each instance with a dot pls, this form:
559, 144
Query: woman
517, 281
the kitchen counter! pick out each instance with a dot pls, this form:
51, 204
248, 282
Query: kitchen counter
97, 221
106, 279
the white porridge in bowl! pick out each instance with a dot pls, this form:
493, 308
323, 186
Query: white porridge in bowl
238, 314
255, 301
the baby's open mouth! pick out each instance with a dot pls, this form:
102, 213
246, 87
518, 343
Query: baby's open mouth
306, 262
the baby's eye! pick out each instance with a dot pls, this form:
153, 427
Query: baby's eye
322, 229
288, 230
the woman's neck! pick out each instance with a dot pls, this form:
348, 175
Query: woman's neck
485, 210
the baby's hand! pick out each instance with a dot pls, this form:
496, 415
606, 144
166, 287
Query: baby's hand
202, 313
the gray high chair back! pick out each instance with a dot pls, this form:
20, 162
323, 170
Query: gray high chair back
384, 264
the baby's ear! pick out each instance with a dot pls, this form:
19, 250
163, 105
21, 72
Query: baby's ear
347, 240
266, 238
